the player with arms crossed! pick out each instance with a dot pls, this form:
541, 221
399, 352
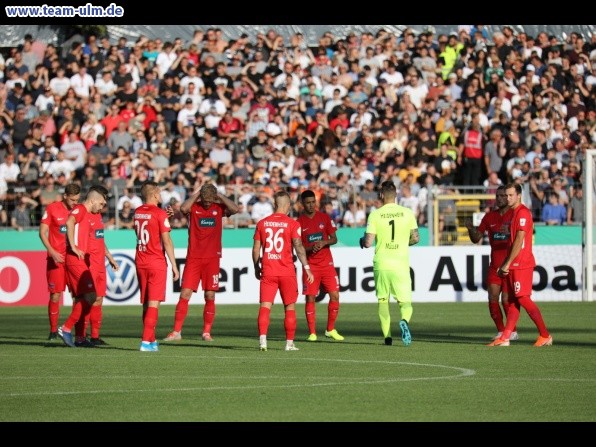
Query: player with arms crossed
205, 209
98, 252
52, 232
152, 227
80, 279
518, 269
318, 233
274, 237
393, 228
496, 224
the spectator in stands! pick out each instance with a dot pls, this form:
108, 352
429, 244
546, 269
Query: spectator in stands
553, 213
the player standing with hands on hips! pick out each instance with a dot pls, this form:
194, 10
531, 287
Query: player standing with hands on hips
318, 233
152, 227
496, 223
205, 209
393, 228
274, 237
518, 268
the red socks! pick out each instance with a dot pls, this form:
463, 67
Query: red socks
149, 324
263, 320
496, 314
290, 324
309, 311
53, 315
332, 311
208, 316
95, 317
180, 314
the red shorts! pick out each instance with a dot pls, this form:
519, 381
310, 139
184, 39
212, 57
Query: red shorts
56, 275
152, 283
201, 271
327, 276
99, 278
287, 286
493, 278
520, 282
80, 279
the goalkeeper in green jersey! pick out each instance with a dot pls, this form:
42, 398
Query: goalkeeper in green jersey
393, 229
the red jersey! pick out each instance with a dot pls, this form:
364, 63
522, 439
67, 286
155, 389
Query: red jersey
319, 228
55, 217
204, 231
150, 222
497, 227
276, 233
82, 227
97, 245
521, 220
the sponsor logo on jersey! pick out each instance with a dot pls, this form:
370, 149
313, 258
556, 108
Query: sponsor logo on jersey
311, 238
500, 236
207, 222
63, 229
99, 234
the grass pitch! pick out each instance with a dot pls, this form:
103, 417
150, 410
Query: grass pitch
447, 374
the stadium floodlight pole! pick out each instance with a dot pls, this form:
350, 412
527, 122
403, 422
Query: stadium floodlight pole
588, 227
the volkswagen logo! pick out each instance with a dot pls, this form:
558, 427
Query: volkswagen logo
123, 284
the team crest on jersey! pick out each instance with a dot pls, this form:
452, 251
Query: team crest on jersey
321, 226
522, 221
215, 213
75, 211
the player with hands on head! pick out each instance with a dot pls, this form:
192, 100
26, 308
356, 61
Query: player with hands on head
204, 209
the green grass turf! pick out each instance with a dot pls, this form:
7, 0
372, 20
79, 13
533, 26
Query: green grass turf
447, 374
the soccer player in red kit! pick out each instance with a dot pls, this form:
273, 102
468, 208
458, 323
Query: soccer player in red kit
274, 237
80, 279
52, 232
518, 268
205, 209
496, 224
318, 233
98, 252
152, 227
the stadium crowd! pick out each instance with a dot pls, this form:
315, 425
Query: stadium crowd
464, 112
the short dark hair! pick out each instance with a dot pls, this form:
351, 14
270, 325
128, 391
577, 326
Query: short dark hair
306, 194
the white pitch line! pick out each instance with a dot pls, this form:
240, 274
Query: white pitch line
463, 372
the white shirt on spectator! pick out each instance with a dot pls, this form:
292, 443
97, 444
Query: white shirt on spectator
82, 84
60, 86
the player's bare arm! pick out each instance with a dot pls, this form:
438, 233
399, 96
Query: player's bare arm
169, 248
513, 252
414, 237
367, 240
44, 231
70, 234
111, 260
475, 235
256, 258
331, 240
231, 207
185, 207
301, 253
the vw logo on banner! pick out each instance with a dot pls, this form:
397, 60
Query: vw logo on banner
122, 284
